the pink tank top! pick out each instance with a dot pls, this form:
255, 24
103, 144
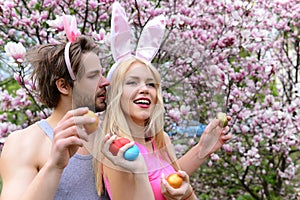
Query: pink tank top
156, 166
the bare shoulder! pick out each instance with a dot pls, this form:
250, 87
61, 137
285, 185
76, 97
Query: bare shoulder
25, 145
23, 155
32, 136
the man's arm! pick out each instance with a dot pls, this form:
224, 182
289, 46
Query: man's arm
31, 165
19, 167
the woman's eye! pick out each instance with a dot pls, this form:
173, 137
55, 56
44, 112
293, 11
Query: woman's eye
151, 85
131, 83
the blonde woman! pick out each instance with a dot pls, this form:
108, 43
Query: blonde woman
135, 111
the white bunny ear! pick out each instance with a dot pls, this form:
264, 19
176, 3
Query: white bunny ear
120, 32
151, 38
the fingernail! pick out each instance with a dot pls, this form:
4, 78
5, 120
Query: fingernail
84, 108
91, 120
164, 181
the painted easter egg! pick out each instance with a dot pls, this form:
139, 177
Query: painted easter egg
131, 153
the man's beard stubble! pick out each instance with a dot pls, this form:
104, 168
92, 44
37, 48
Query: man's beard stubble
88, 101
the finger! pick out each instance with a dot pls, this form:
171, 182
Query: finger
68, 132
228, 118
107, 141
174, 192
75, 117
163, 176
82, 134
76, 112
183, 175
74, 122
163, 184
226, 137
212, 125
110, 139
126, 146
106, 137
65, 143
225, 130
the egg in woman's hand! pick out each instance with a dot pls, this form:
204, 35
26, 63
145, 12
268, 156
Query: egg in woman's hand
130, 154
175, 180
223, 119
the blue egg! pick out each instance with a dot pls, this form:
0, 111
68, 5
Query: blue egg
131, 153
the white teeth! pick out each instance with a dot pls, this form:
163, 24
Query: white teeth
143, 101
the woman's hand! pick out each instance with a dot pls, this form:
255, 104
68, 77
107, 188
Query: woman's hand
213, 137
185, 191
136, 166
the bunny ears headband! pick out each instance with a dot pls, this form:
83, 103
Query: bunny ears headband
148, 44
70, 26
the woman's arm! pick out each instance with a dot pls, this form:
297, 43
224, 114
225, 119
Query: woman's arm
185, 191
125, 179
212, 139
127, 185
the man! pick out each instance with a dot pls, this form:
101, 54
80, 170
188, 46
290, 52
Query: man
48, 160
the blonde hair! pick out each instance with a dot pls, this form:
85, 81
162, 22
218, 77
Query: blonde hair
115, 121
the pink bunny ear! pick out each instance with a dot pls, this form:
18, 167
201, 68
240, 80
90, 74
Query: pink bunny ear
151, 38
70, 26
120, 33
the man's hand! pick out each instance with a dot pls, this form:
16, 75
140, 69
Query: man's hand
68, 136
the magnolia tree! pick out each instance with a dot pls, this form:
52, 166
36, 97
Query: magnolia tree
241, 57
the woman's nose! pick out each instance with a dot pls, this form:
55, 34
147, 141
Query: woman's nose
143, 89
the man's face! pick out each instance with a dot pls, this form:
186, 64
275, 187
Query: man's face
90, 87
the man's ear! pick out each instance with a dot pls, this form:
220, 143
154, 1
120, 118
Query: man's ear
62, 86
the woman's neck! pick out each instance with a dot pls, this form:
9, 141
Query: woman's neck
137, 131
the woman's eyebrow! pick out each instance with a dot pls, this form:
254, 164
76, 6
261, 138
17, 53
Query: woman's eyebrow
132, 77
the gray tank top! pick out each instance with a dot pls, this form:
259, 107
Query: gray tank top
78, 180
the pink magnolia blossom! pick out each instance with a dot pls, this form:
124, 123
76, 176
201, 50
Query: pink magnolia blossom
214, 157
3, 117
184, 109
28, 113
174, 114
56, 24
99, 36
210, 163
231, 45
15, 50
227, 148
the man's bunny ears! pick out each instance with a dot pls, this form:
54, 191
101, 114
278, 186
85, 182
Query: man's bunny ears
70, 26
148, 44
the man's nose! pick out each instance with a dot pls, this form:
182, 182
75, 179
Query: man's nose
103, 82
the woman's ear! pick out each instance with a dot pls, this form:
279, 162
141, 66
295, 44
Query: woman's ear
62, 86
